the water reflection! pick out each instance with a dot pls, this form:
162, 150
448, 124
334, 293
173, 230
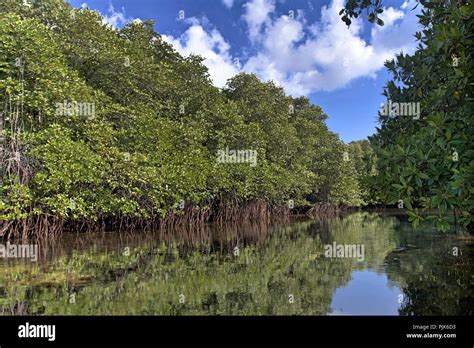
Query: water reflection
352, 299
247, 269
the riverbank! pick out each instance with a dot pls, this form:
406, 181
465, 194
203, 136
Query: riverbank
44, 227
47, 227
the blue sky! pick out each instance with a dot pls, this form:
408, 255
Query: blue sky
300, 44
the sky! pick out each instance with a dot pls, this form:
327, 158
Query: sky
301, 45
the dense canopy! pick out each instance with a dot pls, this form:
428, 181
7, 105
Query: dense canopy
102, 123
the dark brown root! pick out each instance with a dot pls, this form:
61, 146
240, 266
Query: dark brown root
44, 227
327, 210
32, 227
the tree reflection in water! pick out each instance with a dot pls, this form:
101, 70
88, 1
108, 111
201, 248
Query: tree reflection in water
241, 269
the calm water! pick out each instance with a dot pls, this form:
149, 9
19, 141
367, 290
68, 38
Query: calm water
249, 269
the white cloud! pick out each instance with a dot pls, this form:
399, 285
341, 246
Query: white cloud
210, 46
256, 14
327, 55
409, 4
228, 3
398, 31
302, 57
116, 18
389, 16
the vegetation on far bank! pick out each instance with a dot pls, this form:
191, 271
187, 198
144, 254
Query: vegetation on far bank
148, 151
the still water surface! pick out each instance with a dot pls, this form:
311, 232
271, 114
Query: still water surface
248, 269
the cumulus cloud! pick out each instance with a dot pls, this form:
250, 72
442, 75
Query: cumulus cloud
303, 57
327, 55
398, 31
116, 18
211, 46
256, 15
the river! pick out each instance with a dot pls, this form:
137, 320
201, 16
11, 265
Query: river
383, 266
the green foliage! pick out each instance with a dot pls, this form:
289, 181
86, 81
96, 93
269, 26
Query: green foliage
365, 163
157, 125
428, 163
354, 8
